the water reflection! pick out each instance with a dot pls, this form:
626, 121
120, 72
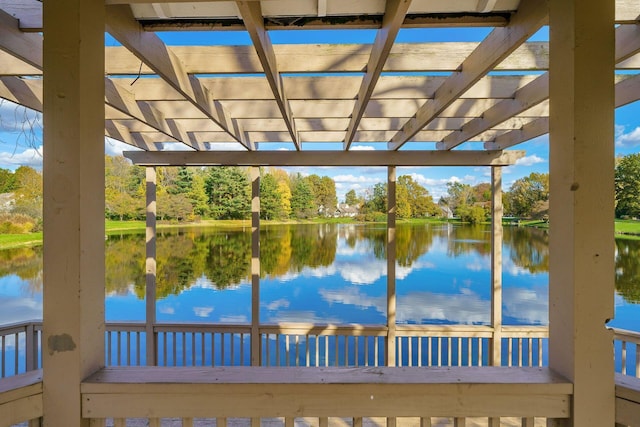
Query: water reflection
322, 273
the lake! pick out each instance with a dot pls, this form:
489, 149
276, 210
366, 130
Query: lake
329, 273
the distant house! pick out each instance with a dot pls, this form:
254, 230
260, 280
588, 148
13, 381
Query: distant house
344, 209
446, 211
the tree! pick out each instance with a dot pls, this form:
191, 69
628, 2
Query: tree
7, 181
229, 192
270, 205
420, 202
351, 198
28, 192
458, 194
303, 203
198, 195
324, 190
526, 192
627, 185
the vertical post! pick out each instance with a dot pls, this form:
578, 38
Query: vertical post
31, 354
255, 266
150, 268
391, 266
495, 354
581, 245
73, 170
496, 264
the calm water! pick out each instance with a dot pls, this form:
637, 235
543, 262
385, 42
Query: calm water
324, 273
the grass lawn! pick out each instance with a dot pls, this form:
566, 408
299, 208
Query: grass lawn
628, 229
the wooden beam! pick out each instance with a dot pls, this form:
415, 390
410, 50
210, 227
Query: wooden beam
395, 11
627, 91
321, 392
251, 12
498, 45
27, 47
148, 47
524, 98
627, 41
304, 58
325, 158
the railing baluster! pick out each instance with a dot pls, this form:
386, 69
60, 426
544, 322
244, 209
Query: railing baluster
356, 362
336, 342
286, 349
222, 353
323, 422
128, 348
108, 348
366, 351
623, 358
317, 341
297, 350
346, 350
375, 351
193, 349
449, 349
306, 348
540, 344
439, 351
326, 350
155, 422
425, 422
203, 356
459, 340
399, 350
138, 363
520, 352
97, 422
357, 422
232, 344
242, 349
510, 351
213, 349
119, 422
187, 422
277, 349
16, 357
289, 422
528, 422
221, 422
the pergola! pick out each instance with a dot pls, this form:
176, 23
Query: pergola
417, 103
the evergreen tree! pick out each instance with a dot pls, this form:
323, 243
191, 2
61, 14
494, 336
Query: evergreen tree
7, 181
270, 204
229, 192
302, 198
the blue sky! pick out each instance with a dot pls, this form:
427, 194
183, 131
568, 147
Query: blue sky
21, 130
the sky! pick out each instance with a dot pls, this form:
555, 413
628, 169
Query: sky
21, 129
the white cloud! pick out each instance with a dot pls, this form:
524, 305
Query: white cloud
18, 309
529, 160
166, 309
355, 179
276, 305
202, 311
29, 157
234, 319
629, 139
363, 148
113, 147
529, 306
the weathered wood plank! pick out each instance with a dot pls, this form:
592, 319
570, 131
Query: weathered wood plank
20, 398
19, 386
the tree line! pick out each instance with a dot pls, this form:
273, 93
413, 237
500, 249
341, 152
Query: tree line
189, 193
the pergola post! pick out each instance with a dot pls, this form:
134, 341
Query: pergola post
255, 266
581, 279
496, 265
495, 355
150, 267
391, 267
74, 267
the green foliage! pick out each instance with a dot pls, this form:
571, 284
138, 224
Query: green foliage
351, 198
12, 223
627, 185
7, 181
28, 193
270, 203
413, 200
229, 192
472, 214
526, 193
303, 204
458, 194
324, 191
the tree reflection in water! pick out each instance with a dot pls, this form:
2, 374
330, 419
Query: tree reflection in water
223, 256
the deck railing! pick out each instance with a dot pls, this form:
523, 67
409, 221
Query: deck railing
326, 346
309, 345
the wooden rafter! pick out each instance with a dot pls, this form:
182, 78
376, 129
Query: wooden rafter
627, 45
531, 15
393, 18
155, 54
627, 91
252, 16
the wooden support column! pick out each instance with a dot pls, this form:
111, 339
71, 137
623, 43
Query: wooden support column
150, 267
581, 244
255, 266
73, 170
391, 266
495, 355
496, 265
